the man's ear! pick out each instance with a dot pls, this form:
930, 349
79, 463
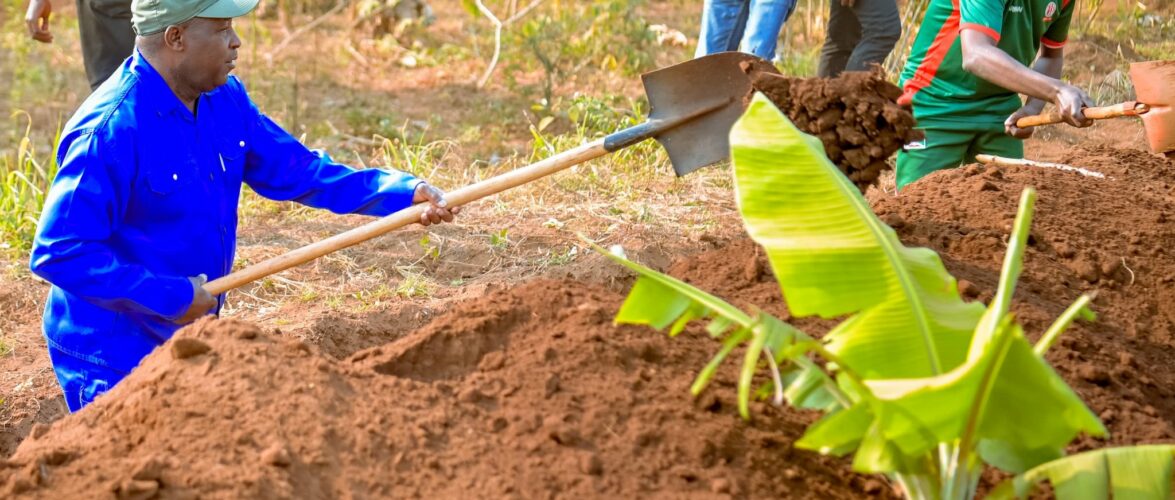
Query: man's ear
173, 38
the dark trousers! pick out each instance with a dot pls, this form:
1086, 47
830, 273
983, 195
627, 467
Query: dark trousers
107, 36
859, 36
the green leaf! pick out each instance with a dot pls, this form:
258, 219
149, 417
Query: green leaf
837, 433
703, 379
653, 304
660, 301
1136, 473
1015, 458
833, 256
1022, 401
1079, 308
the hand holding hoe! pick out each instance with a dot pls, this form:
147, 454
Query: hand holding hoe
1154, 86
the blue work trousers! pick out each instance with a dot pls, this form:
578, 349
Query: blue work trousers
753, 24
81, 380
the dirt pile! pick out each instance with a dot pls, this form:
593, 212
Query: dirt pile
855, 115
526, 393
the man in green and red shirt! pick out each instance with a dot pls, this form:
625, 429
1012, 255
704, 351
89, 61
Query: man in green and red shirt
968, 63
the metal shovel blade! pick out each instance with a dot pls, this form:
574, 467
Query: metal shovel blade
1154, 85
683, 89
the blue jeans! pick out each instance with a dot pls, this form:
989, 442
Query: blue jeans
81, 381
753, 23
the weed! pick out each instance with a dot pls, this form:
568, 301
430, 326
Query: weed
431, 251
414, 285
417, 156
561, 258
500, 240
25, 180
370, 298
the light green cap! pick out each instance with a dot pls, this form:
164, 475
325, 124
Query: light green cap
153, 16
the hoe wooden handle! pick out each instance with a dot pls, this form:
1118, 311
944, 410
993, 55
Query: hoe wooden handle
1129, 108
406, 217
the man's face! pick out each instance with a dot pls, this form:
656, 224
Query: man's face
210, 52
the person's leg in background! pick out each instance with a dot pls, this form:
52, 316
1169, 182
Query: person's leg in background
764, 23
107, 36
941, 149
723, 23
881, 27
840, 39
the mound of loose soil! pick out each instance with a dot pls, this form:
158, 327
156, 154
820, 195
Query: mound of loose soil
529, 392
855, 115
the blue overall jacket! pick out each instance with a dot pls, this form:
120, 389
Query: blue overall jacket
146, 196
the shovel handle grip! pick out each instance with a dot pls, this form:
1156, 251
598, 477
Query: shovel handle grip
406, 217
1129, 108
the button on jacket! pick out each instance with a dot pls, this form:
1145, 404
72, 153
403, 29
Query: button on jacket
146, 196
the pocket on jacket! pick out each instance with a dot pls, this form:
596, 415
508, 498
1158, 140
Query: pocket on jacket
167, 180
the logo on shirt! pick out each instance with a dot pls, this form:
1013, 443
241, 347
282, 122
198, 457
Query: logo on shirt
1016, 9
915, 145
1049, 10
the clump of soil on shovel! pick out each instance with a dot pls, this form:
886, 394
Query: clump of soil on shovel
855, 115
530, 393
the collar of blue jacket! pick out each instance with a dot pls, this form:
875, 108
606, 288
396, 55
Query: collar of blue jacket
146, 196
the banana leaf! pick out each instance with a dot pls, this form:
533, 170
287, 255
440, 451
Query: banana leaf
1134, 473
833, 256
662, 301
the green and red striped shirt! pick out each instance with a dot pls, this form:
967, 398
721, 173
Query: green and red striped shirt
934, 80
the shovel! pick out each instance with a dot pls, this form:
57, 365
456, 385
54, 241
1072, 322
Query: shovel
1154, 86
693, 106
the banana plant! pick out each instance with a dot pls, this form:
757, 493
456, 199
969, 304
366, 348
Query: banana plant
918, 384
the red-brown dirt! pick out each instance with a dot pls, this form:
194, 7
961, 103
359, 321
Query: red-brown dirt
531, 391
855, 115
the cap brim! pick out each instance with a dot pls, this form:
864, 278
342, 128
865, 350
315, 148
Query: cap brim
228, 9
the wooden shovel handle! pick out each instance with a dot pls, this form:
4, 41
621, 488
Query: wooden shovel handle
1129, 108
406, 217
468, 194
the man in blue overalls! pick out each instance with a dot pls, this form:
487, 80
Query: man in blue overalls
144, 206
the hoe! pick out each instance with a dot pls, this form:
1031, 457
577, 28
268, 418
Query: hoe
1154, 88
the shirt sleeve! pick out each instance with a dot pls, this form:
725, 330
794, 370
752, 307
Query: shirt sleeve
984, 16
71, 249
1058, 33
279, 167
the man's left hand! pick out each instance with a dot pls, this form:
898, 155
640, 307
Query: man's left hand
1030, 109
438, 210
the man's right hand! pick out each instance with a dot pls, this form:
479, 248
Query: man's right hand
37, 20
202, 301
1070, 101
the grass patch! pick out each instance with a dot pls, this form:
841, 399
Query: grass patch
26, 174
